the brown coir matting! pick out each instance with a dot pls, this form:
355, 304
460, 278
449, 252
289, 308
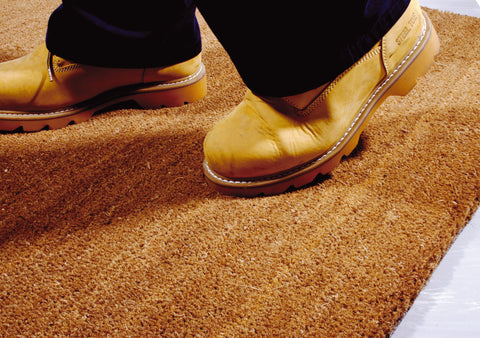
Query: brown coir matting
107, 228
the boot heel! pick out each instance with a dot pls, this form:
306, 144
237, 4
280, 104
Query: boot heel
173, 97
419, 66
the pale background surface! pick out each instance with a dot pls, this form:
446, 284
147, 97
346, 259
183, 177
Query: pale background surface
449, 306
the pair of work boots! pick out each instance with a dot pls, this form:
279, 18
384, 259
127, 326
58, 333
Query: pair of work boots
265, 145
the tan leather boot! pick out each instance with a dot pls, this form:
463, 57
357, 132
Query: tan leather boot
42, 90
267, 145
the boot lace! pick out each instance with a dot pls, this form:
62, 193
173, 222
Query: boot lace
50, 66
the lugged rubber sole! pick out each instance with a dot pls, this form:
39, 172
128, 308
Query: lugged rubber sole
148, 96
399, 83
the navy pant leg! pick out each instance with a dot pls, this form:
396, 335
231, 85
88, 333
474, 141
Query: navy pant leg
279, 48
289, 47
120, 33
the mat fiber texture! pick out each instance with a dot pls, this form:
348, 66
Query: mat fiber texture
107, 228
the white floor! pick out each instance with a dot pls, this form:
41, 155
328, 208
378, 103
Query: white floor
449, 306
466, 7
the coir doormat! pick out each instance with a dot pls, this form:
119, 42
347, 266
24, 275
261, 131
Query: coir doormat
107, 228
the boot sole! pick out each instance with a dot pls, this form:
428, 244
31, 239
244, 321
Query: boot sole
147, 96
399, 83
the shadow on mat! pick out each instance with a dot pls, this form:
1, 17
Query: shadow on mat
65, 181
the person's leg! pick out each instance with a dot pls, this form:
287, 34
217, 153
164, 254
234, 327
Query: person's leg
315, 78
101, 53
110, 33
283, 48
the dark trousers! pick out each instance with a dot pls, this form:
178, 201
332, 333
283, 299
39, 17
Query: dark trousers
279, 48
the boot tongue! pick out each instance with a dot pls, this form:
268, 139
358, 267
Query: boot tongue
58, 64
295, 105
303, 100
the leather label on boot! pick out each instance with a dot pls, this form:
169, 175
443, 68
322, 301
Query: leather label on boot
407, 29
